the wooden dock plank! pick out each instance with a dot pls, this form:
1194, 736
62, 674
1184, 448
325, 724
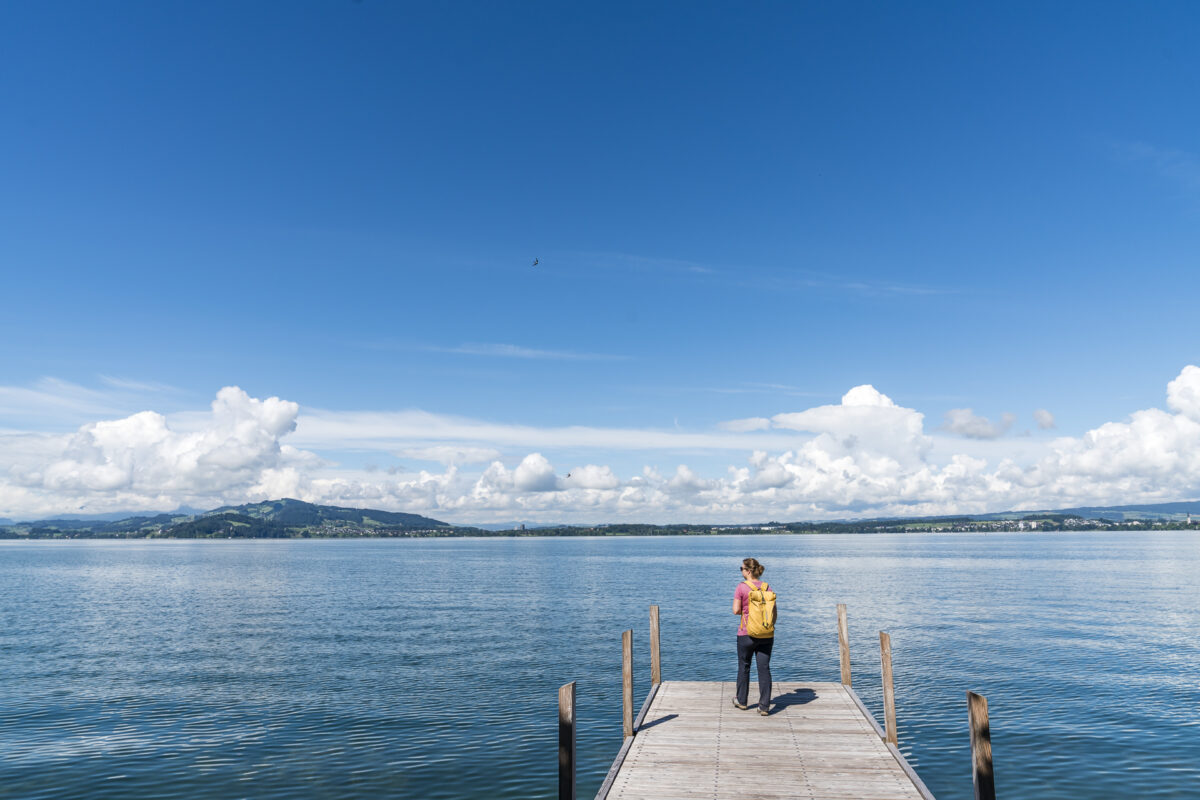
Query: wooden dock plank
816, 744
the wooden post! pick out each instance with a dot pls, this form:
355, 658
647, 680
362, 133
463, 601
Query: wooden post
566, 742
655, 663
844, 643
627, 682
981, 747
889, 691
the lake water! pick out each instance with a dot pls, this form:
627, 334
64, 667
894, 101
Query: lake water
429, 668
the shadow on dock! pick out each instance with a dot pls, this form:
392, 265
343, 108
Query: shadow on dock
659, 721
796, 698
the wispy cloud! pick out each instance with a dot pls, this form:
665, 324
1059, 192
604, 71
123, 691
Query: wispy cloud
629, 261
62, 402
788, 389
747, 388
451, 455
397, 430
1178, 166
494, 350
798, 279
145, 387
56, 402
745, 425
500, 350
889, 288
759, 276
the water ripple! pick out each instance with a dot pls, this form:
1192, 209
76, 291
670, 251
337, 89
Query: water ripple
331, 668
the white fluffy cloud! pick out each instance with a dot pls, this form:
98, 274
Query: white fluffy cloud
139, 459
863, 456
866, 421
1183, 393
591, 477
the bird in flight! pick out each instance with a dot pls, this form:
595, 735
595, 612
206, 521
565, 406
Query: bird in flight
535, 262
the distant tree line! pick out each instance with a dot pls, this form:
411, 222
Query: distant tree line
287, 518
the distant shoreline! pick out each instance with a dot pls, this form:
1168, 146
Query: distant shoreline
288, 518
622, 531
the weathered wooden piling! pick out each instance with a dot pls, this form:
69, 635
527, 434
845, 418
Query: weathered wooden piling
655, 663
566, 741
889, 691
627, 683
844, 643
981, 747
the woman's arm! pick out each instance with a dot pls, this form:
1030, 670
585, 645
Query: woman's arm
737, 603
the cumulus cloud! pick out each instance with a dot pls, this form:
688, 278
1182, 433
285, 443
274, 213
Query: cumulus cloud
140, 458
866, 421
1044, 419
591, 476
964, 422
684, 481
1183, 393
534, 474
866, 455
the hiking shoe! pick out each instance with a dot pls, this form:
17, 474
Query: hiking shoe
762, 712
736, 704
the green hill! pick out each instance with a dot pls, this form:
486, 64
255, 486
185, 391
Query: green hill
298, 514
275, 519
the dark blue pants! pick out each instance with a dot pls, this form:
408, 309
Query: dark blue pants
759, 650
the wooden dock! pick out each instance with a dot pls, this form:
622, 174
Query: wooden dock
817, 742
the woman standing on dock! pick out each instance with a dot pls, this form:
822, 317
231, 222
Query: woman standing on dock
756, 634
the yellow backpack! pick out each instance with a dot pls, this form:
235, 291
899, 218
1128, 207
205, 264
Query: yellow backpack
761, 621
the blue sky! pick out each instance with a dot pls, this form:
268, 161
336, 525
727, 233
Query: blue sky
739, 211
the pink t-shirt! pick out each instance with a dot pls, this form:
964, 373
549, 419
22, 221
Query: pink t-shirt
743, 593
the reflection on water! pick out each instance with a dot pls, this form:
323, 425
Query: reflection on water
429, 668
